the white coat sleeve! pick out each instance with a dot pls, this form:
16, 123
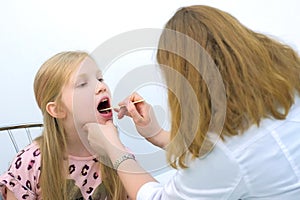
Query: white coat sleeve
215, 177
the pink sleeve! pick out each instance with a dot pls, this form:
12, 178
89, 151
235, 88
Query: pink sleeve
23, 174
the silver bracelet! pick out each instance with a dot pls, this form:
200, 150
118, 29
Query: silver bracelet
122, 159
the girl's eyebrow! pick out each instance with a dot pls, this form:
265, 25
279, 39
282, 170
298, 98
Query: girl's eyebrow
79, 76
85, 75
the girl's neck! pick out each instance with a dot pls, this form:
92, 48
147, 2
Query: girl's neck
76, 148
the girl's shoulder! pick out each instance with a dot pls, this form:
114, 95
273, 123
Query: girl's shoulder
27, 159
31, 152
22, 176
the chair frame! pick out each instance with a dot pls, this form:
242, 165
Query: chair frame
27, 127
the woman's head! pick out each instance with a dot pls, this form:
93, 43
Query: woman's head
260, 75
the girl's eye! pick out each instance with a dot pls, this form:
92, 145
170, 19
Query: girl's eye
81, 84
100, 79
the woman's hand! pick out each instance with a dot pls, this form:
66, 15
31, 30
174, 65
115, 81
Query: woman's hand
103, 138
144, 119
142, 114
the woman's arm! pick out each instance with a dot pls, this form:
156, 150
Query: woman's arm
104, 140
161, 139
210, 182
132, 175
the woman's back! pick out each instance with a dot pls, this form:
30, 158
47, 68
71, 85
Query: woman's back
269, 158
262, 163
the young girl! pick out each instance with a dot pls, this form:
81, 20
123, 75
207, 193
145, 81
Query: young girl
69, 90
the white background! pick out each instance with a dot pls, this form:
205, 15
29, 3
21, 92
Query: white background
32, 31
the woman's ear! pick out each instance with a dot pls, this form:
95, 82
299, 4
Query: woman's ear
54, 110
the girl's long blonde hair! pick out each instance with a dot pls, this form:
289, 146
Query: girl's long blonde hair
48, 84
260, 75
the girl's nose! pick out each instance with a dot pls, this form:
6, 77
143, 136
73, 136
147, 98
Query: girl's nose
100, 87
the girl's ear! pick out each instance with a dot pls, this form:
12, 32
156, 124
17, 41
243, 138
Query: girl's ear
54, 111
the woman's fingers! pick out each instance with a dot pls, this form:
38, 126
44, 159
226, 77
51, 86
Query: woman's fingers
122, 112
136, 116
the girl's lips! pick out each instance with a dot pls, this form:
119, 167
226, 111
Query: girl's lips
106, 115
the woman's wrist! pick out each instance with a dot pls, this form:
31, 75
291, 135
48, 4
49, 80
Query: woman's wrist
161, 139
122, 159
115, 151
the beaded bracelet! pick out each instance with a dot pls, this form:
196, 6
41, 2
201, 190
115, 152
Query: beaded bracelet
122, 159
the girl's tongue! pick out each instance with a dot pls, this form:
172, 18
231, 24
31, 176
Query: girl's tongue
104, 108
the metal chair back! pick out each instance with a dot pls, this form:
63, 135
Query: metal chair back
14, 132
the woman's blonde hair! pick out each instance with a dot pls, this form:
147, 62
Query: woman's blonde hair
260, 75
48, 84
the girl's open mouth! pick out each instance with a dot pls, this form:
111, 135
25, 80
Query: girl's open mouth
104, 107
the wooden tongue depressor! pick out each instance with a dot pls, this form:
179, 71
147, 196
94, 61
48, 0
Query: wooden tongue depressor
110, 108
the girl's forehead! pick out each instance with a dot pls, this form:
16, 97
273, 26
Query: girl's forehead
88, 65
84, 70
